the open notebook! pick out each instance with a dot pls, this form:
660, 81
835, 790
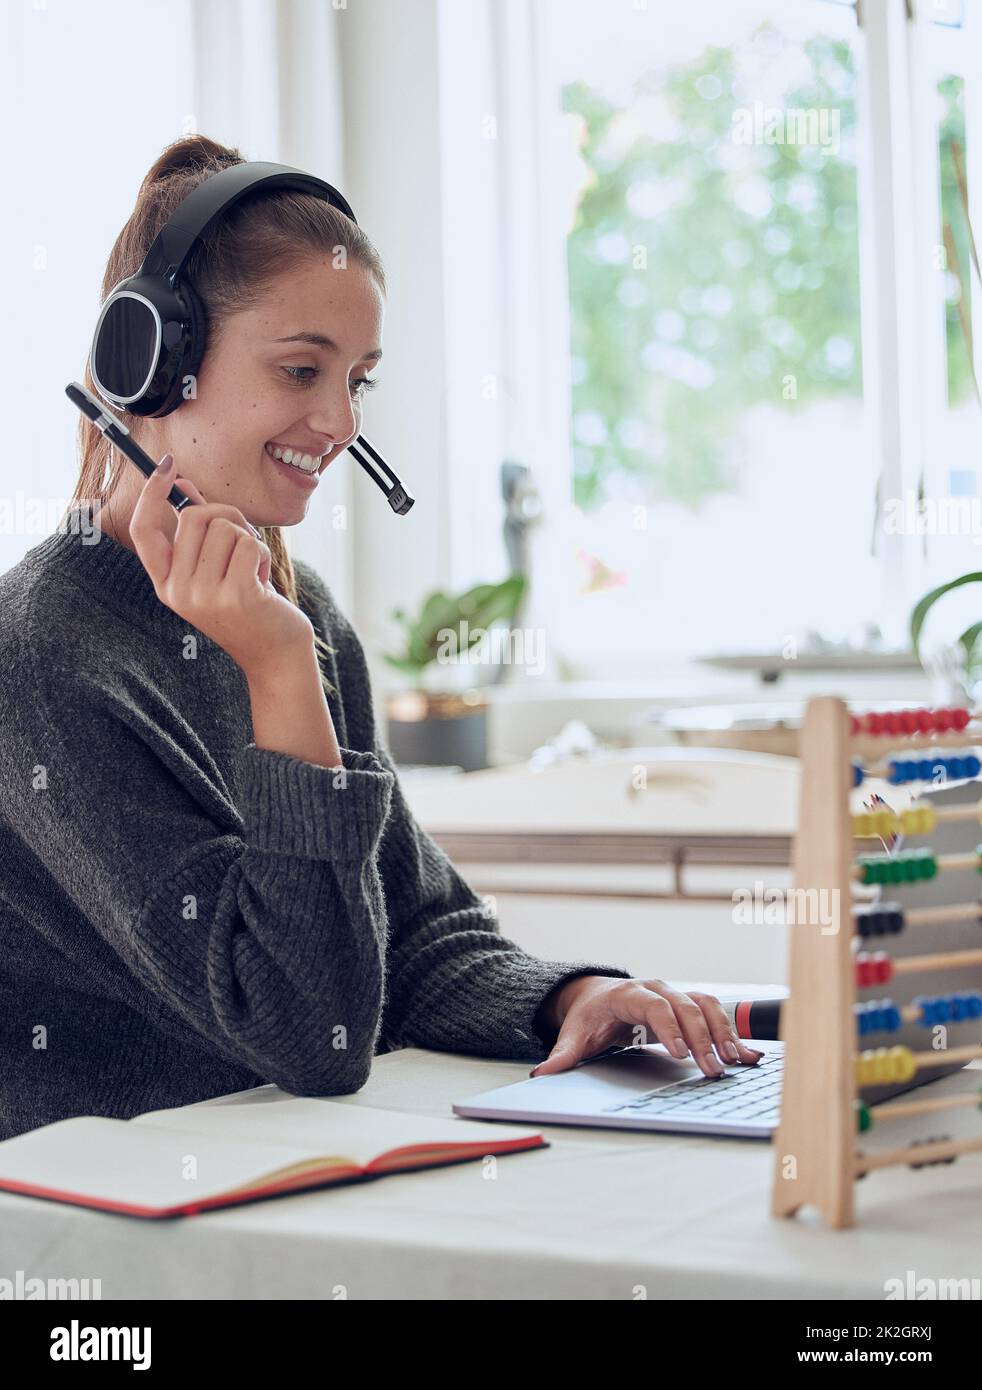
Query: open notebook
179, 1162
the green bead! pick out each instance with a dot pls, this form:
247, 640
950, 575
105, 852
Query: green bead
864, 1120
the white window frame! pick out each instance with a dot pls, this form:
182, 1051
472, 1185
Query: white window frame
898, 225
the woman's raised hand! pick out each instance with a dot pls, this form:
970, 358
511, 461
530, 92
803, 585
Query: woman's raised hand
208, 566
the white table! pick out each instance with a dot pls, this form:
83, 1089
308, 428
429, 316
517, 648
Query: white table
598, 1215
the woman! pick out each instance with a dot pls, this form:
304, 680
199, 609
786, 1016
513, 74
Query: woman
210, 877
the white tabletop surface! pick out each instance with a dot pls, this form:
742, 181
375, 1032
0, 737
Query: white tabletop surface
600, 1214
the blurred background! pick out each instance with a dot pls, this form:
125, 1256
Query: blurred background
679, 365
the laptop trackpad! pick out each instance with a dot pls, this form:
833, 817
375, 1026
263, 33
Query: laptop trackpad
596, 1085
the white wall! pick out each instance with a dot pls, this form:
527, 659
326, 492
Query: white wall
392, 172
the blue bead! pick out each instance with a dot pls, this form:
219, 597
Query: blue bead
857, 775
973, 766
973, 1005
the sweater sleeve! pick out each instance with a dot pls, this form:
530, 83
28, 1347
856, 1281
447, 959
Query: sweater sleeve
455, 983
263, 932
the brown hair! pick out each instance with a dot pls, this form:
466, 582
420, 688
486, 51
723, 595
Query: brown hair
259, 237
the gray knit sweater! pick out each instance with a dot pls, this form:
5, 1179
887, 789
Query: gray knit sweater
184, 914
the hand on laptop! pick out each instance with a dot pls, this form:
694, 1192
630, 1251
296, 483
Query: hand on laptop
593, 1012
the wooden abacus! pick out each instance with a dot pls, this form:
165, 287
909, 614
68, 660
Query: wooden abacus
816, 1161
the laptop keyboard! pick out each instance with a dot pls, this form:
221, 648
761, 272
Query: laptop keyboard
746, 1093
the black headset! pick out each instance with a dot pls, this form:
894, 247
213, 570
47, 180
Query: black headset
152, 329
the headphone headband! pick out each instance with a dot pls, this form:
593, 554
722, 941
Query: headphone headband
152, 329
190, 221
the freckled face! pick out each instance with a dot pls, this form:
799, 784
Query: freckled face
253, 390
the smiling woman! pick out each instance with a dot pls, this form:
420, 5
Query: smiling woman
209, 876
324, 264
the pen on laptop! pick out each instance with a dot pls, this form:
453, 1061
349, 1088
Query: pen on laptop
755, 1018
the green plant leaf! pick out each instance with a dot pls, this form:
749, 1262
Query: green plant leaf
969, 638
925, 604
479, 606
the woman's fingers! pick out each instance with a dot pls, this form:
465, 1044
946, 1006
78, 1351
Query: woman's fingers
706, 1027
190, 489
728, 1044
660, 1018
644, 1011
154, 523
694, 1029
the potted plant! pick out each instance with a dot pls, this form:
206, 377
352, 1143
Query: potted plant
958, 663
439, 718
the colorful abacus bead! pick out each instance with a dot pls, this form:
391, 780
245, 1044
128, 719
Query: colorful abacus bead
869, 825
949, 769
918, 820
857, 775
948, 1008
878, 1016
884, 1066
886, 920
864, 1117
873, 968
931, 1162
910, 721
908, 867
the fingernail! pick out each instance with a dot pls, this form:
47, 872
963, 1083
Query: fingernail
729, 1052
165, 464
716, 1067
679, 1048
533, 1071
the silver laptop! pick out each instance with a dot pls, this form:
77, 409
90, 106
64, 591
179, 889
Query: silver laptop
646, 1088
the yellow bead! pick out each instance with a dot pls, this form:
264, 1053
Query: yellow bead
919, 820
903, 1066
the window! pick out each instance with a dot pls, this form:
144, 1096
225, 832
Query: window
716, 425
706, 228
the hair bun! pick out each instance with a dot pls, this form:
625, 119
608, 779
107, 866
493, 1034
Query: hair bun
191, 155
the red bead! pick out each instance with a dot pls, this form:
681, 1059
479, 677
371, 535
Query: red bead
874, 723
884, 967
960, 718
891, 723
925, 721
942, 720
908, 721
